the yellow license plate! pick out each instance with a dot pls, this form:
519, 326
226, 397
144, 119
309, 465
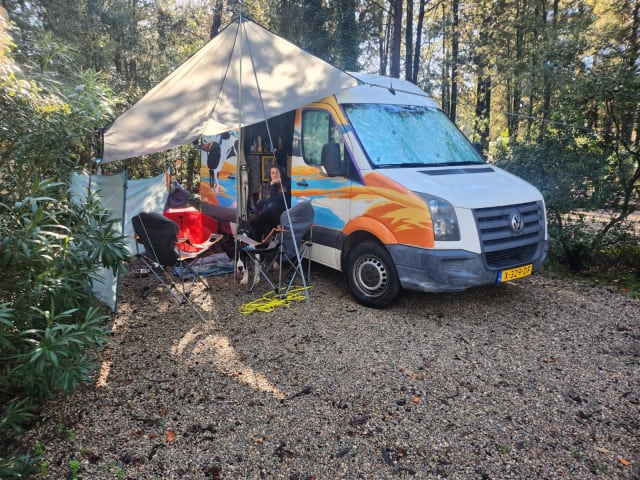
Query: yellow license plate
514, 273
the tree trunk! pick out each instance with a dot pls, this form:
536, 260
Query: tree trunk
483, 107
483, 87
418, 46
547, 71
346, 48
408, 40
397, 39
516, 93
631, 116
384, 34
454, 60
217, 18
534, 69
445, 64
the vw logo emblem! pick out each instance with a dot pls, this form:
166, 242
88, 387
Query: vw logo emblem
517, 222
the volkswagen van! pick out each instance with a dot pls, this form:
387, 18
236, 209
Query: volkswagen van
402, 199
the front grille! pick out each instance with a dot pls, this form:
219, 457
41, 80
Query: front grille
501, 246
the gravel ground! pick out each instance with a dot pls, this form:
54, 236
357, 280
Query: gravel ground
534, 379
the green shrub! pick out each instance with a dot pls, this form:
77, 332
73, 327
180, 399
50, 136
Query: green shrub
50, 247
50, 324
576, 175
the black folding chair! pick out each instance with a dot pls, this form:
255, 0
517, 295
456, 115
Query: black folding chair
163, 257
286, 245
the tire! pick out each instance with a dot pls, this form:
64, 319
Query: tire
371, 275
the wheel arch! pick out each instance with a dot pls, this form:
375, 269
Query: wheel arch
355, 238
362, 229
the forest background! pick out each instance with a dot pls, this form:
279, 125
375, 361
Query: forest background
549, 89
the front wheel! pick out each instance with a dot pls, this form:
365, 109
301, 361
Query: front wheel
371, 275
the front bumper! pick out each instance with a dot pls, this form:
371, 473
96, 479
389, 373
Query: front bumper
448, 270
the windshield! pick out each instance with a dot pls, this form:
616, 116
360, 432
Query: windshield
409, 136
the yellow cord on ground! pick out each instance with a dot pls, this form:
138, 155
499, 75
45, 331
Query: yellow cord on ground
270, 300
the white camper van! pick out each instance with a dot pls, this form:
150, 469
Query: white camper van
401, 198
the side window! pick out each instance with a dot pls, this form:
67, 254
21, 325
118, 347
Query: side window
318, 128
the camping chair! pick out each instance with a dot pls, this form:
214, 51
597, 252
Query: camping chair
163, 256
286, 244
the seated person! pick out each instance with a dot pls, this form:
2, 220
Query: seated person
270, 208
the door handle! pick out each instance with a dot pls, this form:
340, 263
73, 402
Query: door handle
302, 183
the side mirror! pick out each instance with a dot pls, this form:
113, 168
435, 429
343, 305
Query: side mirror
330, 159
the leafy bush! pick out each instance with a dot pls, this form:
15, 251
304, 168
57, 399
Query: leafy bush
576, 175
50, 247
50, 250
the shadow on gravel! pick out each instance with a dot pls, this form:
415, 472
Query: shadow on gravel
534, 379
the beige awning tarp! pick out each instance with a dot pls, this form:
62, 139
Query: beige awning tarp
244, 75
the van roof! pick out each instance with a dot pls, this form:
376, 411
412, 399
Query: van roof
381, 89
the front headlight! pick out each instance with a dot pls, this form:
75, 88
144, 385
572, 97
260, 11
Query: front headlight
443, 218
